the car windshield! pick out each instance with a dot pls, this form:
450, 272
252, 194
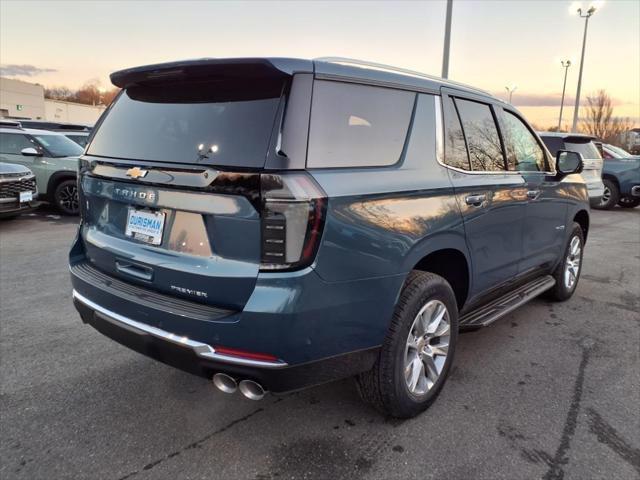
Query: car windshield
617, 152
59, 145
79, 139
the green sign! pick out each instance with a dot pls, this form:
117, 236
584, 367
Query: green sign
19, 107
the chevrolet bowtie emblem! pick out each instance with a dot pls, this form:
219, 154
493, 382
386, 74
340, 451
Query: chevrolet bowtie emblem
136, 172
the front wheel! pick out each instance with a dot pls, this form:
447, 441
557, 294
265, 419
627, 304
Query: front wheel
417, 352
65, 197
567, 273
629, 202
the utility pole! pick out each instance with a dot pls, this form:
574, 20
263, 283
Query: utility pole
447, 40
565, 64
586, 17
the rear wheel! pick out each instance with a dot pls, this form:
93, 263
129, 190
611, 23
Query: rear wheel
610, 195
65, 197
568, 271
418, 350
629, 202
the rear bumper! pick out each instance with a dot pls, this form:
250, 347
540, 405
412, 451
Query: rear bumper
201, 359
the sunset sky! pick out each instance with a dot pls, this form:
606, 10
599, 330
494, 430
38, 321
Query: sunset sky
494, 43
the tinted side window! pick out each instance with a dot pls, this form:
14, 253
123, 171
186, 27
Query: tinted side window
357, 125
483, 141
455, 153
523, 151
13, 143
553, 144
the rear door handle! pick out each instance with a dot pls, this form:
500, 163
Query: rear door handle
475, 200
533, 194
133, 270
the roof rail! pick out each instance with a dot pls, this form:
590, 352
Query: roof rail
10, 123
390, 68
376, 66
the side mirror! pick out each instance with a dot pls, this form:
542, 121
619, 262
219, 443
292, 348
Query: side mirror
568, 162
30, 152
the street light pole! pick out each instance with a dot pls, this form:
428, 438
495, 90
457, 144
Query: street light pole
565, 64
447, 40
576, 108
511, 89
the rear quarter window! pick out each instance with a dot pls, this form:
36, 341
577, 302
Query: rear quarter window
588, 150
357, 125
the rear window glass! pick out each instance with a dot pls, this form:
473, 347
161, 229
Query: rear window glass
357, 125
208, 122
588, 150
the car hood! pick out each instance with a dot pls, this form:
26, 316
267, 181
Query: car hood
13, 169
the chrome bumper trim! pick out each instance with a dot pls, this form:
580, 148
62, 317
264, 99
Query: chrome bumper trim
202, 350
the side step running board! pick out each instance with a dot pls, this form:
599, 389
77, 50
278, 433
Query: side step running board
500, 307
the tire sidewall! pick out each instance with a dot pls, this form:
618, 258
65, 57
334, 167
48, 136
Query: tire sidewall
614, 195
562, 289
630, 202
56, 197
433, 291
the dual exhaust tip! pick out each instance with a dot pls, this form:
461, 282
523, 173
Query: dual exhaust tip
227, 384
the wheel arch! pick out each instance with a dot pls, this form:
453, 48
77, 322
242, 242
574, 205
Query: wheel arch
582, 218
613, 178
452, 263
55, 179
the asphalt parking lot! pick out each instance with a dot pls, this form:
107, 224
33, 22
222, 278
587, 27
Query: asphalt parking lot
552, 391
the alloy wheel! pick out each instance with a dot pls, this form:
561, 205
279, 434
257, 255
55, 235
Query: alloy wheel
68, 198
572, 263
427, 347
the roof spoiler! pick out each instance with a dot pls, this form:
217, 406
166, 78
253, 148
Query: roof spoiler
229, 68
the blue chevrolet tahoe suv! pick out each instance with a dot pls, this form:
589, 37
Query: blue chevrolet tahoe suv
273, 224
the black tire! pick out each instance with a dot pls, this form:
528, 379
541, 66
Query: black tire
384, 386
610, 196
561, 291
65, 197
629, 202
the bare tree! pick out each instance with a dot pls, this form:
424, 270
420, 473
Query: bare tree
599, 120
59, 93
91, 93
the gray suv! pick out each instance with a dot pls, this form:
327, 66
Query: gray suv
273, 224
51, 156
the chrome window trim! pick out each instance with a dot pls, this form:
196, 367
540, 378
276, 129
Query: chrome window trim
440, 136
202, 350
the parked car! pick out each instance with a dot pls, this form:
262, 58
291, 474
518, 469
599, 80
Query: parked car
18, 190
51, 156
362, 217
77, 132
621, 177
593, 164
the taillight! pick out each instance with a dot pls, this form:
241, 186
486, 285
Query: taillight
293, 212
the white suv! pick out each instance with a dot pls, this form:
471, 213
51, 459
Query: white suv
583, 144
